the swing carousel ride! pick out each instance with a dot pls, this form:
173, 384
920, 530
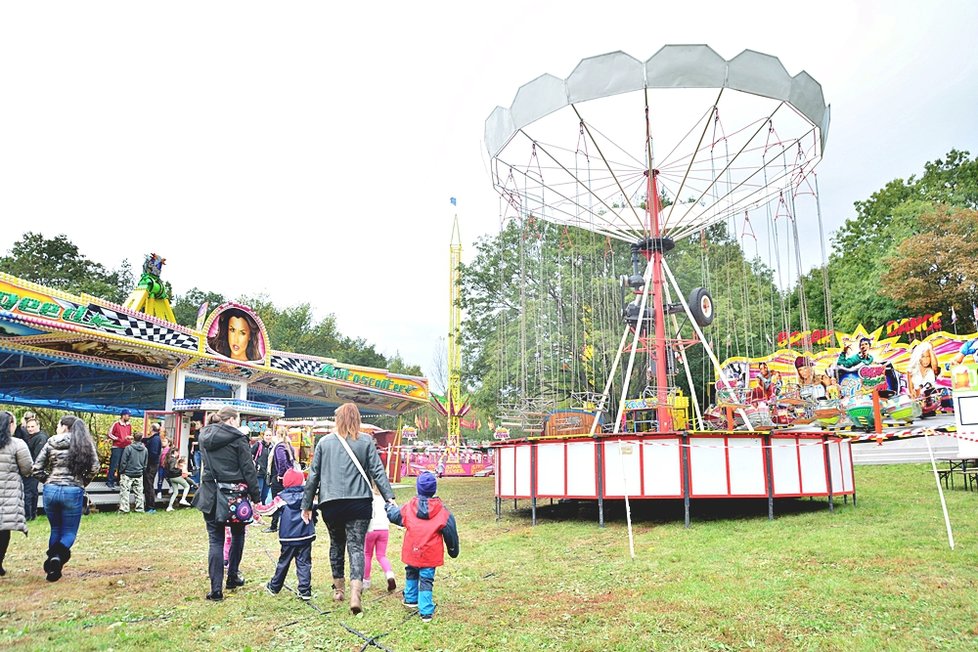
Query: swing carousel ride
649, 154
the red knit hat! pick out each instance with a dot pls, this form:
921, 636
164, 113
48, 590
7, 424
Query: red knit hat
293, 478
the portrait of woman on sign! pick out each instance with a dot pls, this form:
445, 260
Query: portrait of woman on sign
235, 334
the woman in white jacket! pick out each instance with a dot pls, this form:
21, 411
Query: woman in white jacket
15, 462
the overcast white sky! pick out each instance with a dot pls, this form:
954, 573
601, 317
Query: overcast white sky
308, 150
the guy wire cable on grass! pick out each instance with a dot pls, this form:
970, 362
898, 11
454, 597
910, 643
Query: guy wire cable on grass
369, 640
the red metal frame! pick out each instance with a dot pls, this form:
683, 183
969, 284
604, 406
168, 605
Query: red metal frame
175, 436
798, 439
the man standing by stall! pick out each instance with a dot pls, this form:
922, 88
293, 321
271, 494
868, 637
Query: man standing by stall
36, 438
120, 434
154, 447
260, 451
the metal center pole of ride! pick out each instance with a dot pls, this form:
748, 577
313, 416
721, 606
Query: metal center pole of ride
663, 413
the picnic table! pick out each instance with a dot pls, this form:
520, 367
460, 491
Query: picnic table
965, 468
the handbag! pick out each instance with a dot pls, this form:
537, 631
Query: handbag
233, 505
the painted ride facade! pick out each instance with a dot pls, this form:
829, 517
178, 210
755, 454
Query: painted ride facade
84, 353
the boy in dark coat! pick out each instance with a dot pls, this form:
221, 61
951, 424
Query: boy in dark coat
295, 536
427, 523
131, 469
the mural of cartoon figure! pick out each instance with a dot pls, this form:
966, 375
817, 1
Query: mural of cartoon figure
809, 386
859, 371
923, 369
969, 348
238, 337
849, 361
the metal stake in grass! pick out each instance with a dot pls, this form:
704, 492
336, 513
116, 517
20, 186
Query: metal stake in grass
628, 506
933, 464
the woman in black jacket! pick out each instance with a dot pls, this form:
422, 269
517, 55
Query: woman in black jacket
225, 457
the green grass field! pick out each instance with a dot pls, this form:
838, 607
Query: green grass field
875, 576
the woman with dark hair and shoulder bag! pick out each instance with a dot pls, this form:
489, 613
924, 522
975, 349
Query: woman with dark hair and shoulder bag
226, 468
15, 462
342, 468
66, 465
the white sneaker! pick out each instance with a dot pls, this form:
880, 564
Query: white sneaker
159, 496
170, 508
366, 584
184, 503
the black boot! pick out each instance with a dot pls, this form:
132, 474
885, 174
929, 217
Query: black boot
58, 556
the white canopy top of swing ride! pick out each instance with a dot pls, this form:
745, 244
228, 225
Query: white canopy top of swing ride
726, 138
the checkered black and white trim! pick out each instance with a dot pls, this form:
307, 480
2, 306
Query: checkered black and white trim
296, 365
143, 330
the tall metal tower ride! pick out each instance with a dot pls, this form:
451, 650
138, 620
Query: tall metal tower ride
454, 346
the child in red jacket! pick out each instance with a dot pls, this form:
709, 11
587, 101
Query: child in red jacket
427, 522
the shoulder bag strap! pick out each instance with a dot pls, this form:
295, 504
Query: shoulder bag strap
353, 457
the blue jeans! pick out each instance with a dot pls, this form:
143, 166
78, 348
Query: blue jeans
63, 506
195, 476
419, 589
114, 460
264, 490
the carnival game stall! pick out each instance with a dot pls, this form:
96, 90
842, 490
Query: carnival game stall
469, 462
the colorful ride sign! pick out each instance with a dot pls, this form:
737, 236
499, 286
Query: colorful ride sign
89, 354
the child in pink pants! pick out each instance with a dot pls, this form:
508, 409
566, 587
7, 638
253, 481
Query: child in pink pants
227, 544
377, 534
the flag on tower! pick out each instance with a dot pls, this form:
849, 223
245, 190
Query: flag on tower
954, 317
201, 314
453, 202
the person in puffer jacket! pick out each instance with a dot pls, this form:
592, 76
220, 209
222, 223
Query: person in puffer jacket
15, 463
66, 465
295, 536
427, 523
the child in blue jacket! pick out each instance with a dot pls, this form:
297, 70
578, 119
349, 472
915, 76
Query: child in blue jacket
295, 536
427, 523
